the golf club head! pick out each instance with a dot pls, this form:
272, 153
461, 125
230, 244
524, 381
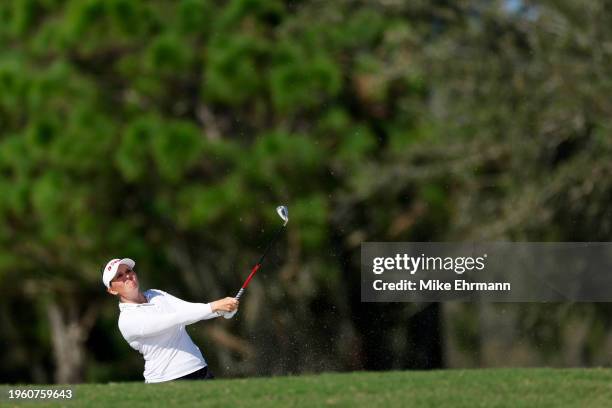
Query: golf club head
283, 212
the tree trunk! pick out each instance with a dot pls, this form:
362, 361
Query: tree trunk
69, 331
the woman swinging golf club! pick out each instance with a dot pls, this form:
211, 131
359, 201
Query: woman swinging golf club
153, 322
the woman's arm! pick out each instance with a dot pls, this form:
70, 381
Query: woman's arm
227, 304
135, 324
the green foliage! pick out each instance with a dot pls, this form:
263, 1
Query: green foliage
25, 15
239, 10
311, 214
356, 144
168, 54
132, 153
176, 147
48, 195
93, 25
173, 147
195, 16
233, 74
277, 157
199, 206
301, 81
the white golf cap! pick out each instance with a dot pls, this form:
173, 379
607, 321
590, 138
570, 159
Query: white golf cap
110, 270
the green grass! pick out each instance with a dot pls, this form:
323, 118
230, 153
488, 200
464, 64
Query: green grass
541, 387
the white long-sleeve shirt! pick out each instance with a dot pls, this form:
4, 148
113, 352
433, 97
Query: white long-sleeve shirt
157, 330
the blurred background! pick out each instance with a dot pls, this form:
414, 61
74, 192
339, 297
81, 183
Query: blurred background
168, 131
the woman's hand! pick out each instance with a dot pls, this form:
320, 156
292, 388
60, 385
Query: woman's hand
225, 305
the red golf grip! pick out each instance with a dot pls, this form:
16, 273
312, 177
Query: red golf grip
253, 271
246, 282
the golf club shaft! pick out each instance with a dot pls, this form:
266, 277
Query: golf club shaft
258, 264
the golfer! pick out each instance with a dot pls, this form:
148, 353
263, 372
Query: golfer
153, 322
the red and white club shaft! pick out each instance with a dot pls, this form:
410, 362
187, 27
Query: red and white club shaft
258, 264
246, 282
284, 214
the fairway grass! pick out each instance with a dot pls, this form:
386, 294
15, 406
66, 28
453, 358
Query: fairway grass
532, 387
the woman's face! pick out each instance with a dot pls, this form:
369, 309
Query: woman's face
124, 282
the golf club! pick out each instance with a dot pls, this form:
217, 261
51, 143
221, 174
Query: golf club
282, 212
